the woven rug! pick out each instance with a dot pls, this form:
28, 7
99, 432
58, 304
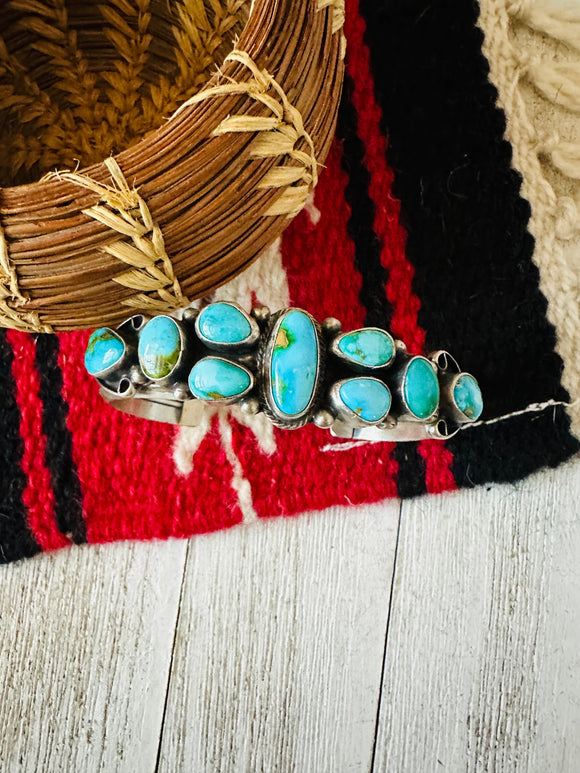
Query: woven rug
419, 224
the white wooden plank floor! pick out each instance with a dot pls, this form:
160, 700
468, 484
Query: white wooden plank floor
440, 635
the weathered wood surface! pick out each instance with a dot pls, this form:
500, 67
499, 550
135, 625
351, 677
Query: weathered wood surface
280, 645
483, 653
87, 636
263, 648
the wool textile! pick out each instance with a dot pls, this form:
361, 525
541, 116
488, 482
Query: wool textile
417, 225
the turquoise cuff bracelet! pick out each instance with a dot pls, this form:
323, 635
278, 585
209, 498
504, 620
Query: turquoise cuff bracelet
360, 384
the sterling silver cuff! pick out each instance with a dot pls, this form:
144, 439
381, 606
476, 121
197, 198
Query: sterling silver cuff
360, 384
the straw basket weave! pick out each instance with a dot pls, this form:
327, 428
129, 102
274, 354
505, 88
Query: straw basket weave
151, 149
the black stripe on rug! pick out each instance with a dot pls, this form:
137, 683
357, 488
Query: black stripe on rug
16, 540
467, 228
360, 224
411, 474
360, 227
59, 458
492, 455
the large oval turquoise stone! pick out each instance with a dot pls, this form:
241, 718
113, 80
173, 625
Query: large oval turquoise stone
215, 379
104, 349
223, 323
294, 363
467, 396
159, 347
421, 388
367, 397
370, 347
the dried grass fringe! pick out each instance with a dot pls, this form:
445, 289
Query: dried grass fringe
278, 136
126, 213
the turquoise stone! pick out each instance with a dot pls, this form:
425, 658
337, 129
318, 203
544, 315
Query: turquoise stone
467, 396
215, 379
223, 323
369, 398
104, 349
159, 347
369, 347
421, 388
294, 363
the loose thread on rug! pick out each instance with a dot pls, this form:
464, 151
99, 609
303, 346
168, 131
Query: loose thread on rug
531, 408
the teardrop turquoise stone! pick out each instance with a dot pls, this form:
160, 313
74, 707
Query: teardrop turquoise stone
215, 379
223, 323
104, 349
373, 348
421, 388
294, 363
367, 397
159, 347
467, 396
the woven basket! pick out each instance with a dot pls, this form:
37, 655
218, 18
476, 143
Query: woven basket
191, 132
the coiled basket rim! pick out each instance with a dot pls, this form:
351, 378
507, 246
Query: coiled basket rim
202, 196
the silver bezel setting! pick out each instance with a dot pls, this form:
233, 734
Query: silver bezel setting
346, 414
399, 384
448, 402
168, 377
224, 400
359, 366
271, 409
118, 364
249, 342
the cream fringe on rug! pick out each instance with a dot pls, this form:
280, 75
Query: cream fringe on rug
533, 49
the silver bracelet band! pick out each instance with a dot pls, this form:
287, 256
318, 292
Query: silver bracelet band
360, 384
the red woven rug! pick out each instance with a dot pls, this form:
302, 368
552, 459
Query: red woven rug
424, 234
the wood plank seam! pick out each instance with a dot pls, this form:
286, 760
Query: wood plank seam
379, 701
170, 669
